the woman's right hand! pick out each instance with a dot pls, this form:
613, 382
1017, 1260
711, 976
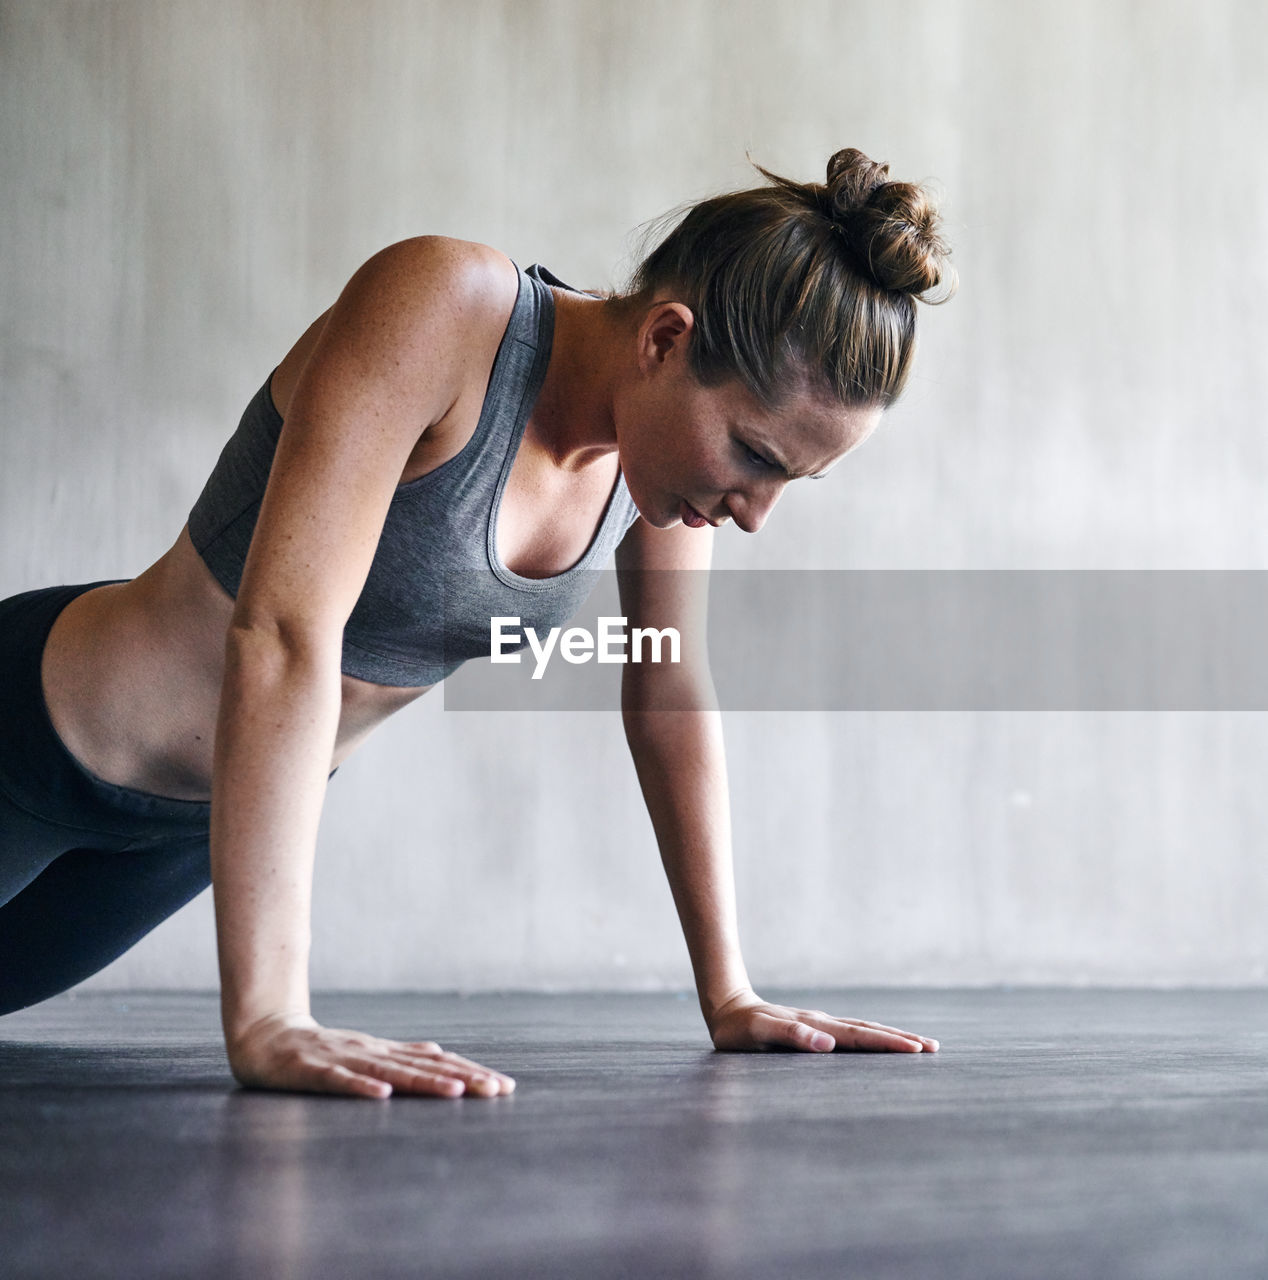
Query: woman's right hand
294, 1052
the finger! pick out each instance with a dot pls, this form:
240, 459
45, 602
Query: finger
473, 1078
465, 1064
874, 1039
816, 1015
843, 1028
429, 1053
790, 1034
405, 1078
930, 1045
333, 1077
367, 1051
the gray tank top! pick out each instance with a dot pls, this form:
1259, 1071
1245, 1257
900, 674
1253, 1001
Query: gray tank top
436, 579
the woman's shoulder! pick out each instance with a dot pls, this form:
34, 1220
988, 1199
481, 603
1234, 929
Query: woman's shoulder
462, 276
435, 303
431, 303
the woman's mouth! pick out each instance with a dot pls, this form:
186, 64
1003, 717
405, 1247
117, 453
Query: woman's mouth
691, 517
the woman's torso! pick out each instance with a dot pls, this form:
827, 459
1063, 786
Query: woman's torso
132, 671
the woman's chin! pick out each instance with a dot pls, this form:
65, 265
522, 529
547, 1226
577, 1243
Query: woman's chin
660, 518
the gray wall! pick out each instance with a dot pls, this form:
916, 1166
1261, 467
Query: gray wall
185, 185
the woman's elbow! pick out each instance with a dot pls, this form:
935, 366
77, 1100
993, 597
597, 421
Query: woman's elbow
270, 648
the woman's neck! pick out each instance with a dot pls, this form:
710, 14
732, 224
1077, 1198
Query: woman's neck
572, 418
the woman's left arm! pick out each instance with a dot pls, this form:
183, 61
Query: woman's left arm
678, 756
674, 732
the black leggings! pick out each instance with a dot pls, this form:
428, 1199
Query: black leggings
87, 868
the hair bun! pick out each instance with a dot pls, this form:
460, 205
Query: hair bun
852, 178
892, 227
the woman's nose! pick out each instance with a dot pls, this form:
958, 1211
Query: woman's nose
749, 508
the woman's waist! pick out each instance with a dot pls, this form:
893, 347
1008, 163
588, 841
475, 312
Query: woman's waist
132, 690
132, 676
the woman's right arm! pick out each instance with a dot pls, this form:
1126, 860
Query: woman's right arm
399, 346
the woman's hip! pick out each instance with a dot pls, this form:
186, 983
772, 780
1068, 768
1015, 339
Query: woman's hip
37, 770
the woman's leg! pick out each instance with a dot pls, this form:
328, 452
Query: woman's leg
27, 845
86, 867
85, 909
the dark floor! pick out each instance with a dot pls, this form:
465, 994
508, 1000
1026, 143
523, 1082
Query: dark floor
1089, 1135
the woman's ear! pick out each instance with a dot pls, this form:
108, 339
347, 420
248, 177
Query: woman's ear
664, 333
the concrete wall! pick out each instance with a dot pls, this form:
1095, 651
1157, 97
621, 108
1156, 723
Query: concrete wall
185, 184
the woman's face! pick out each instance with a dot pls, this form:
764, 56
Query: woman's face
718, 449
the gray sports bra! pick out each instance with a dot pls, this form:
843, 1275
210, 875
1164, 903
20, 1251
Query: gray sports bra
436, 579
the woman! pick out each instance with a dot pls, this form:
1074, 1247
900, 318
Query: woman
449, 415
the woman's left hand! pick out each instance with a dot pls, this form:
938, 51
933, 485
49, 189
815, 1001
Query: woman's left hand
746, 1023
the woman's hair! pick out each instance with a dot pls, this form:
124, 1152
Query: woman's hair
795, 281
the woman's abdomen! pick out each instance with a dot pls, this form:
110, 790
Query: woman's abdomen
132, 674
